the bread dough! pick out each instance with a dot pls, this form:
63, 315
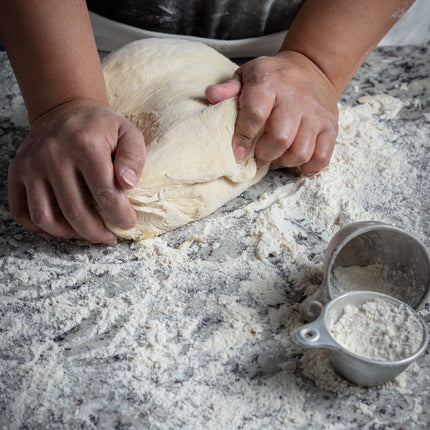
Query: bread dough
190, 170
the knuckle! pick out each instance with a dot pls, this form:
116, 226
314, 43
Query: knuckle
90, 155
52, 150
133, 128
330, 127
256, 114
72, 123
72, 214
85, 143
131, 156
263, 81
280, 137
39, 216
322, 157
293, 95
105, 196
263, 78
243, 139
324, 154
258, 72
323, 161
302, 156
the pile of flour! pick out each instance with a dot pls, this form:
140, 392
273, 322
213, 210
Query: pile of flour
379, 329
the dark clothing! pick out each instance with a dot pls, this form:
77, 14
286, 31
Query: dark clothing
216, 19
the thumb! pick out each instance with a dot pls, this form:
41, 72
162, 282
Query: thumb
130, 156
226, 90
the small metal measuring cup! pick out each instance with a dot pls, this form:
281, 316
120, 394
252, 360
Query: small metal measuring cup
369, 242
357, 369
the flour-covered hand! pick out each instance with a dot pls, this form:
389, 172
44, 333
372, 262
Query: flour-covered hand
289, 104
77, 156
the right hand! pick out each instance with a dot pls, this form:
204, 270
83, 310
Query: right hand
78, 155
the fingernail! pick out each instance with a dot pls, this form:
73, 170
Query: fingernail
129, 176
240, 152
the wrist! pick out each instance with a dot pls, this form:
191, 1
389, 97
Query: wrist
305, 63
337, 35
69, 106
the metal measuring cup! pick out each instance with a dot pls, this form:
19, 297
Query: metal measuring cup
357, 369
368, 242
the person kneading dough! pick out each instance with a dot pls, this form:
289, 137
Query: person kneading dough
162, 141
190, 170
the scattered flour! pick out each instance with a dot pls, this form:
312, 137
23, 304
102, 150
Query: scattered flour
241, 327
19, 116
379, 329
317, 366
387, 106
359, 184
192, 329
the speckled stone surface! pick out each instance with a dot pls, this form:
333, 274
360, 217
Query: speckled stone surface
84, 345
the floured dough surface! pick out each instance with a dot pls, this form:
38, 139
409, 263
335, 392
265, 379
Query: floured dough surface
190, 170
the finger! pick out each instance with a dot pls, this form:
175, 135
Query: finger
18, 205
280, 132
255, 105
226, 90
323, 151
129, 156
301, 150
74, 200
98, 174
44, 211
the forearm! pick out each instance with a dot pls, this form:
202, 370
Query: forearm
52, 50
337, 35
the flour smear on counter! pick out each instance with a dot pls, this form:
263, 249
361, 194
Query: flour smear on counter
136, 334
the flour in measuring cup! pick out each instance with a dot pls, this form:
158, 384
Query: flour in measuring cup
379, 329
376, 277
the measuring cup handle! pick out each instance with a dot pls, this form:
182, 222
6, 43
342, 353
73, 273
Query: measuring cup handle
314, 334
311, 307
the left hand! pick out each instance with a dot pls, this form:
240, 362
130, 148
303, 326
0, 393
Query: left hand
290, 103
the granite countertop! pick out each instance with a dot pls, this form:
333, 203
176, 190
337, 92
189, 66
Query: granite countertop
192, 329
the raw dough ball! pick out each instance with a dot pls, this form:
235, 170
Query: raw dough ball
190, 171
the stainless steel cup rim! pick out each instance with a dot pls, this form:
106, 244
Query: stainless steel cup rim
323, 338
